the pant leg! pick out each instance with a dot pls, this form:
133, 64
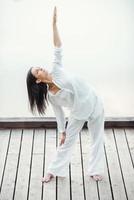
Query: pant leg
97, 156
60, 163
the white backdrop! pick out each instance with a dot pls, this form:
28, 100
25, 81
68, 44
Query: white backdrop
98, 44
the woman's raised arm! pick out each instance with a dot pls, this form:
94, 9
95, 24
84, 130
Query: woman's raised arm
56, 37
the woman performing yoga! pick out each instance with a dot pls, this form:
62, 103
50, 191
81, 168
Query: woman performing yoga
62, 89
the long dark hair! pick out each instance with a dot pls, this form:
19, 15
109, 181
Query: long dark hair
37, 94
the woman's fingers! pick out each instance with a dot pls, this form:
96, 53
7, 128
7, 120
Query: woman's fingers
55, 9
62, 138
54, 15
62, 141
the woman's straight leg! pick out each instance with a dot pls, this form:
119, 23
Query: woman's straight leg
96, 158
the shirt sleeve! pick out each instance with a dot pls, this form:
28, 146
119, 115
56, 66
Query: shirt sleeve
57, 61
60, 117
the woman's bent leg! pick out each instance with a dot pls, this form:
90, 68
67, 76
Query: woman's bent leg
60, 163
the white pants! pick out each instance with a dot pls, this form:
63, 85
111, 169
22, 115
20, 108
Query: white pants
60, 163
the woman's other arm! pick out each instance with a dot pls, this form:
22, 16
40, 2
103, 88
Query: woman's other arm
61, 121
60, 118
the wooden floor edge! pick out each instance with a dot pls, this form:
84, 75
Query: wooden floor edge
50, 122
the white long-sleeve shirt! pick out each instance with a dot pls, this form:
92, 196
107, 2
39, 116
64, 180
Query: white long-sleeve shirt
75, 93
61, 98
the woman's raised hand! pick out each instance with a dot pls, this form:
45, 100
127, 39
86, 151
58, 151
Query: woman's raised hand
55, 16
56, 37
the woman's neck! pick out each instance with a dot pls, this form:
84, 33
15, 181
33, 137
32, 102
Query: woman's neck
51, 85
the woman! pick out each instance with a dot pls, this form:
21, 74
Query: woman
64, 89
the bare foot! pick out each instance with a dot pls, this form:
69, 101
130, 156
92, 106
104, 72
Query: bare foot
47, 178
97, 177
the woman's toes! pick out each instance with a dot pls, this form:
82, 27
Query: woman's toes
97, 177
47, 178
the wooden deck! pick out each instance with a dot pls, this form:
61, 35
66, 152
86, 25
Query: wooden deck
25, 154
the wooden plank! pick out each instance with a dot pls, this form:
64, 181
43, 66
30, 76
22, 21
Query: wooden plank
125, 162
76, 173
24, 165
118, 146
90, 185
95, 190
114, 168
130, 140
49, 191
63, 184
8, 186
4, 143
37, 165
29, 122
50, 122
105, 190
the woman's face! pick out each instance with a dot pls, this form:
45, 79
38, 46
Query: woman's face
39, 73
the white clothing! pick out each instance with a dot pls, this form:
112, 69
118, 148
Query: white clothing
62, 157
61, 98
84, 94
84, 105
75, 93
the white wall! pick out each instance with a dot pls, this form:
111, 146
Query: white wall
97, 37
